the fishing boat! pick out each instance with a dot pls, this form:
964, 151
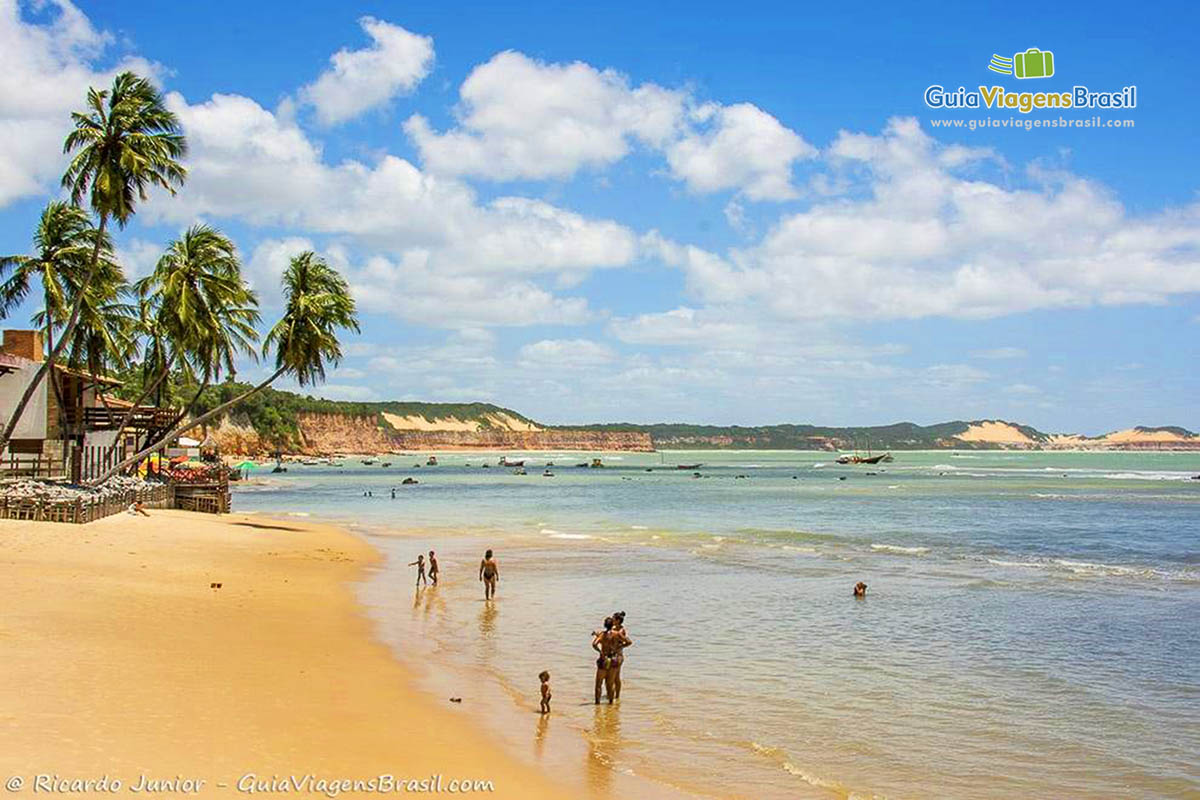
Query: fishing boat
858, 458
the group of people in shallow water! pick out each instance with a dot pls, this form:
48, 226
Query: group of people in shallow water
609, 642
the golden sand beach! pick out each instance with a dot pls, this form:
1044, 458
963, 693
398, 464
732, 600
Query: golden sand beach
121, 660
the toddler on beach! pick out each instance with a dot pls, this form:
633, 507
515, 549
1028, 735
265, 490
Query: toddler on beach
544, 677
420, 565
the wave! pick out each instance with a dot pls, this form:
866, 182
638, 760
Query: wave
1071, 568
1148, 475
639, 527
895, 548
570, 536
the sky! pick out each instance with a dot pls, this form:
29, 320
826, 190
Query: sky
673, 212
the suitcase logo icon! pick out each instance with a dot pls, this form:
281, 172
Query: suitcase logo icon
1033, 63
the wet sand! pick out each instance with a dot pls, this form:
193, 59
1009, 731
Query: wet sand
121, 660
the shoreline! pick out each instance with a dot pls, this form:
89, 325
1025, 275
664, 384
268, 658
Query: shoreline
122, 660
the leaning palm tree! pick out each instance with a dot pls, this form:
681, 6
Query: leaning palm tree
205, 307
305, 339
64, 243
126, 142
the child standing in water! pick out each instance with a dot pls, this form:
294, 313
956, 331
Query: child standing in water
433, 568
420, 565
545, 679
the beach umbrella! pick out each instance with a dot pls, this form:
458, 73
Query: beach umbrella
245, 465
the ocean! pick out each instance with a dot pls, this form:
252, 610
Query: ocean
1031, 628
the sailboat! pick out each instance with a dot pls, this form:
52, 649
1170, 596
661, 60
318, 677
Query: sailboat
858, 458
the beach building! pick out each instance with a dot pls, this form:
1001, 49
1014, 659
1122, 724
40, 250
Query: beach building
69, 425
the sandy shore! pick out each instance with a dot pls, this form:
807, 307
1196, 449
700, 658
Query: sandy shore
120, 660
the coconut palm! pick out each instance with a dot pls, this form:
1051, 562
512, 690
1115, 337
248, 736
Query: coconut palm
205, 307
305, 340
123, 144
63, 242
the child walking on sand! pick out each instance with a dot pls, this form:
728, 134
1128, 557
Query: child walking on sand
420, 565
545, 679
433, 568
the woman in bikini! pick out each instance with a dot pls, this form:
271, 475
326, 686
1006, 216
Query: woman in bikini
608, 643
489, 573
623, 641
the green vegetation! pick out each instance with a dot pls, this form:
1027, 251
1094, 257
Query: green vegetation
180, 329
274, 414
899, 436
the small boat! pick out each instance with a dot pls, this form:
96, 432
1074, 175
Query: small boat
857, 459
368, 461
504, 462
386, 464
583, 465
519, 471
688, 466
547, 474
431, 461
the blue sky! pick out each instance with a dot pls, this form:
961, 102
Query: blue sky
678, 213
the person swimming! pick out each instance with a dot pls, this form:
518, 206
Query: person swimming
860, 589
489, 573
420, 565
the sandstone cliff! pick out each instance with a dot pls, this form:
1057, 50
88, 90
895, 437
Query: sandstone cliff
339, 433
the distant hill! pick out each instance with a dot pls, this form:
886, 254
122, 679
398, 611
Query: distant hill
288, 421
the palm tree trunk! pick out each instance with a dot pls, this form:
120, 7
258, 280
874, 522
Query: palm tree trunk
146, 390
187, 426
182, 414
48, 364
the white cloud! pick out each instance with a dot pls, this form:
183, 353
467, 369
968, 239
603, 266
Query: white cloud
738, 147
441, 256
265, 268
359, 80
997, 353
566, 353
340, 391
918, 238
525, 119
45, 71
138, 257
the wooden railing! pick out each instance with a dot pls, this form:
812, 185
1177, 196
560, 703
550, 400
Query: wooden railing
80, 510
143, 418
18, 465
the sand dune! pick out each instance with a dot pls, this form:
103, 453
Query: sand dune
498, 421
994, 432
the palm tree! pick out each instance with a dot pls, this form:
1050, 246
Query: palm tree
64, 243
205, 307
126, 142
305, 339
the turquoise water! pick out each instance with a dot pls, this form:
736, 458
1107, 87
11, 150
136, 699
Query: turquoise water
1030, 629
